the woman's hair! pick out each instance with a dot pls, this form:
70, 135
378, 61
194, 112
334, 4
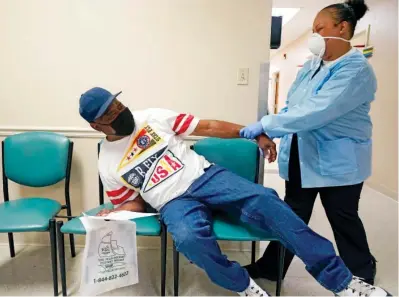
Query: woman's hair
351, 11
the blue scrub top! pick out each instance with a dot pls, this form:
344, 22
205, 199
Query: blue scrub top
330, 114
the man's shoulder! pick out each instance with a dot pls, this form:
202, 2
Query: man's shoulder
151, 110
151, 113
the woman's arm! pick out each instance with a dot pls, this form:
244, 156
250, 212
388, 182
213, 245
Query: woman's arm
344, 91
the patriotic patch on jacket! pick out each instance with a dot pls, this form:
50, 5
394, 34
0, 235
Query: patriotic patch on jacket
166, 167
145, 139
135, 176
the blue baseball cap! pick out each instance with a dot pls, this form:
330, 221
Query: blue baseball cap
94, 103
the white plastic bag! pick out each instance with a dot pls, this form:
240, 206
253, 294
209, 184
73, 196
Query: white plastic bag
110, 256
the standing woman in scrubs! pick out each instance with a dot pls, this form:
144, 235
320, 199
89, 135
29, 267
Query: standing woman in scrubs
325, 133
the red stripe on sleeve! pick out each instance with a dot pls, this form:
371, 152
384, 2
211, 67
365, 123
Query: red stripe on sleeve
178, 120
185, 126
116, 193
123, 198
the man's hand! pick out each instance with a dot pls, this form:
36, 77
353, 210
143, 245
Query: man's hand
137, 205
104, 212
268, 146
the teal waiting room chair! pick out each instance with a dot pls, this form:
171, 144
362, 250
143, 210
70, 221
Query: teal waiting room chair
35, 159
243, 158
147, 226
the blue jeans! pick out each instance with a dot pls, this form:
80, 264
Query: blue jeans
189, 220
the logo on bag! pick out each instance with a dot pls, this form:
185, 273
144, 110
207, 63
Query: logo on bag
145, 139
166, 167
111, 255
135, 176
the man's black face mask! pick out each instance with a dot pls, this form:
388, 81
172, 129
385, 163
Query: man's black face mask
124, 123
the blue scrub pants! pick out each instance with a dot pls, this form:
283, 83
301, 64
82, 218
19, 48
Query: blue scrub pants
189, 220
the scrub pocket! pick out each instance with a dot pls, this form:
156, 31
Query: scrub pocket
337, 157
284, 150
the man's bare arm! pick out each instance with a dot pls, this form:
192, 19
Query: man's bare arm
221, 129
137, 205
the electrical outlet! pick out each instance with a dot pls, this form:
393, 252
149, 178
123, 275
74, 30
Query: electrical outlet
242, 76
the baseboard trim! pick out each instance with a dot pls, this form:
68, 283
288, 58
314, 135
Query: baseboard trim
380, 188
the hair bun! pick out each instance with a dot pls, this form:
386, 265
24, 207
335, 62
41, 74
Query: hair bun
359, 7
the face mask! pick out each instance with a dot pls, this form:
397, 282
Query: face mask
317, 45
124, 123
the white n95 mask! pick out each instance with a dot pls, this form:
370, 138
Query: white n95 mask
317, 46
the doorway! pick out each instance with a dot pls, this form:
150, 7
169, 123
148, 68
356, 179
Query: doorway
274, 92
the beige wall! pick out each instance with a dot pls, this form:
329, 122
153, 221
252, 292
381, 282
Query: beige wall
383, 18
384, 37
176, 54
296, 54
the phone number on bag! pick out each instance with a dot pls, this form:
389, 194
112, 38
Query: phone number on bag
111, 277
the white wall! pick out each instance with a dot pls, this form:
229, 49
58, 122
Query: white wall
296, 54
384, 112
176, 54
383, 18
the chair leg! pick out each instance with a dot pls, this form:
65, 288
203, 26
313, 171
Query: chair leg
253, 252
164, 238
280, 267
61, 254
53, 243
11, 243
72, 243
175, 270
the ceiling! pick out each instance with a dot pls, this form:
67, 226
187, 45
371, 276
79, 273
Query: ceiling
303, 20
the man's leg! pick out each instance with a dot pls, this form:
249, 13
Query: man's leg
261, 207
301, 202
341, 205
190, 224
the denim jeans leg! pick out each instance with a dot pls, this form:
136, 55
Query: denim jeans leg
315, 251
190, 224
262, 208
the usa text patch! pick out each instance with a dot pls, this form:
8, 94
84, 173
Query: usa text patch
135, 176
167, 166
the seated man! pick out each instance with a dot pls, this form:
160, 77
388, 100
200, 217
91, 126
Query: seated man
144, 158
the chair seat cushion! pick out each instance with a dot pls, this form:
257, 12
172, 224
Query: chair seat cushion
226, 228
27, 214
147, 226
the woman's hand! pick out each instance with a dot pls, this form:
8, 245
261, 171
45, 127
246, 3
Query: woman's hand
104, 212
252, 131
268, 147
